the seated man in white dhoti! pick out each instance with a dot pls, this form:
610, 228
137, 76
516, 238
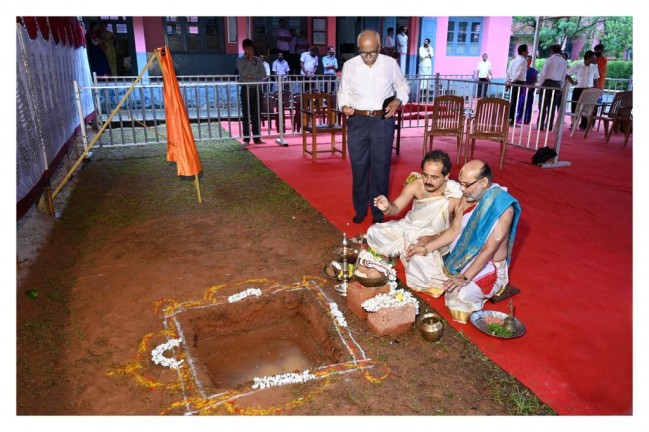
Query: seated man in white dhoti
435, 198
481, 237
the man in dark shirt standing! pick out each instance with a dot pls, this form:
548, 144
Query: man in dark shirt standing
251, 69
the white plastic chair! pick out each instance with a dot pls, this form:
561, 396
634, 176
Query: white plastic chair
585, 106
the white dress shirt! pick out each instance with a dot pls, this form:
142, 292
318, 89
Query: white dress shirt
585, 74
310, 63
517, 70
402, 43
365, 88
554, 69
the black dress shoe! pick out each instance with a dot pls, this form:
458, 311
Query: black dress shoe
358, 219
246, 141
258, 141
377, 219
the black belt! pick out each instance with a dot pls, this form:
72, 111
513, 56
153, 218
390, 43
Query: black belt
374, 113
519, 82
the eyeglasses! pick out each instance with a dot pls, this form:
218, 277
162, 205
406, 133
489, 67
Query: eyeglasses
368, 54
468, 185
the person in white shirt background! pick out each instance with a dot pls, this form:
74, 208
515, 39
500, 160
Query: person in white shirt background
426, 54
402, 47
586, 72
484, 75
516, 74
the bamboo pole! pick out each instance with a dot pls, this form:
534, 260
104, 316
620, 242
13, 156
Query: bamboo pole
105, 125
197, 185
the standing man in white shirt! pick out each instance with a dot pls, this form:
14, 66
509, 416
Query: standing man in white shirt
426, 54
553, 75
484, 75
367, 96
516, 74
330, 66
308, 66
402, 47
586, 72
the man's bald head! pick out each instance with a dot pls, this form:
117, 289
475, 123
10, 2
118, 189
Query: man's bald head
475, 178
472, 169
369, 44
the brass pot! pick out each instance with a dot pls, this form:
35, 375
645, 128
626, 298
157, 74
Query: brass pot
431, 326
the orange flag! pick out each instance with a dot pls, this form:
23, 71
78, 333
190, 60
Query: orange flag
181, 147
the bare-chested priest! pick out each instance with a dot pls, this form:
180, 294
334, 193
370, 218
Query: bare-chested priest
435, 198
481, 237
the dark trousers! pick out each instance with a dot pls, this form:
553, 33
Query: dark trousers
250, 110
370, 152
576, 92
329, 83
483, 86
515, 93
549, 101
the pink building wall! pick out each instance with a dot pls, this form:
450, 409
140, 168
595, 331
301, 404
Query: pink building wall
495, 42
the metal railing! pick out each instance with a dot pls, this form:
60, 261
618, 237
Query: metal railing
215, 110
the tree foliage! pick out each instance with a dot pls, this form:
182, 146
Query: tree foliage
616, 33
618, 36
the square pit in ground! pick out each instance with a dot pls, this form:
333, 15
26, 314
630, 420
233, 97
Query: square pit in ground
229, 344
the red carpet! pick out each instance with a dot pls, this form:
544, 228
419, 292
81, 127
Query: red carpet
572, 260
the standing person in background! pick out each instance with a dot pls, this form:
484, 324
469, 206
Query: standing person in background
388, 44
250, 69
402, 47
552, 75
330, 66
293, 59
108, 44
484, 75
516, 74
301, 43
308, 66
367, 96
526, 101
602, 64
97, 59
283, 37
586, 73
426, 54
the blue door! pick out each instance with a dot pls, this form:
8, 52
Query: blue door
428, 30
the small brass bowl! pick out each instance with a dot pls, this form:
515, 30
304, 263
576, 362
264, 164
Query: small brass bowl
371, 282
431, 326
349, 253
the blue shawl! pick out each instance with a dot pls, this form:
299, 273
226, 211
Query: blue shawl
491, 206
